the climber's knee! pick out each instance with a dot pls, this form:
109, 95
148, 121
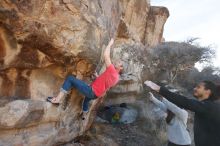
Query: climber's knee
70, 78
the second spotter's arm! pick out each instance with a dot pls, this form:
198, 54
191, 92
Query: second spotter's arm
157, 102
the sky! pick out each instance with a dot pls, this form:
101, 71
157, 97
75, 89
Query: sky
193, 18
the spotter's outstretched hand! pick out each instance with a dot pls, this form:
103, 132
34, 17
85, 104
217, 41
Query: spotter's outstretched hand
152, 85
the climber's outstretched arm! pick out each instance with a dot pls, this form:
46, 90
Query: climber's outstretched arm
107, 57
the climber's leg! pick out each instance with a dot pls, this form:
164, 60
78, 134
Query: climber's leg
72, 82
81, 86
85, 104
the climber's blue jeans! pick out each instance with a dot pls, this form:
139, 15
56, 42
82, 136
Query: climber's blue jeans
72, 82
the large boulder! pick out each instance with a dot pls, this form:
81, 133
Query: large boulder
41, 42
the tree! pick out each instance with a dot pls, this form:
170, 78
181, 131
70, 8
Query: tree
175, 57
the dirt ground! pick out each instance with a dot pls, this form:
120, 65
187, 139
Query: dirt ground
134, 134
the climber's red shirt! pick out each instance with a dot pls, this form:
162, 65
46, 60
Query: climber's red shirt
105, 81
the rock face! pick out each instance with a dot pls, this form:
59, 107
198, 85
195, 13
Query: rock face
43, 41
